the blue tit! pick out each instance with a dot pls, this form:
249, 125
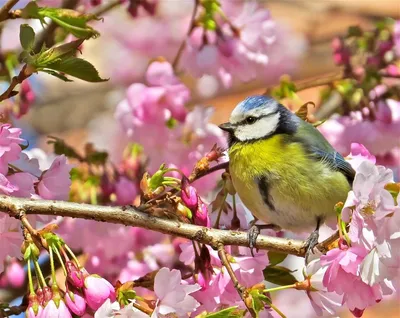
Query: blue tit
283, 169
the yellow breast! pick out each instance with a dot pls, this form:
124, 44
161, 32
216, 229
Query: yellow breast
300, 187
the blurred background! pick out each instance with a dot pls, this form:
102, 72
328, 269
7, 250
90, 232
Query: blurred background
80, 112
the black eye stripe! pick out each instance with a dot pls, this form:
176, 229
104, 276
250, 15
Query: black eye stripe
244, 121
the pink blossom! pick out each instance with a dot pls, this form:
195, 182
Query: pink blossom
321, 300
9, 146
173, 296
359, 154
377, 136
6, 187
368, 203
97, 290
126, 191
76, 303
107, 309
342, 277
28, 163
55, 182
249, 269
51, 310
10, 239
157, 103
24, 182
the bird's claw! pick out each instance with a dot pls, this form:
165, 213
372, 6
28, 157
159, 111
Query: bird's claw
255, 230
252, 235
310, 243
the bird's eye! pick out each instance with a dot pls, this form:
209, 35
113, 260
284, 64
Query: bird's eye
250, 120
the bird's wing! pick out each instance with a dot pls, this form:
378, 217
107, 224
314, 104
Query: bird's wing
335, 161
319, 148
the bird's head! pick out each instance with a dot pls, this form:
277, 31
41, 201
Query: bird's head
258, 117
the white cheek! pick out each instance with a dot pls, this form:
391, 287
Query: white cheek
261, 128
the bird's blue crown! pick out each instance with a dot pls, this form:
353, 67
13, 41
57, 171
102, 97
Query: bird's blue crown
255, 101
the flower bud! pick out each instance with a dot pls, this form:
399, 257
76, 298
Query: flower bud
34, 309
97, 290
201, 216
53, 311
76, 303
189, 194
15, 274
74, 275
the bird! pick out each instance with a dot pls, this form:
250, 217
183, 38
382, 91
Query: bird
283, 169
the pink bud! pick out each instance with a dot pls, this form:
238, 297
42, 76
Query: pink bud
53, 311
30, 312
34, 309
97, 290
74, 275
201, 215
189, 194
76, 303
15, 274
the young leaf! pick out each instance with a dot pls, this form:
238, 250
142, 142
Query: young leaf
54, 54
279, 275
72, 21
276, 258
26, 37
78, 68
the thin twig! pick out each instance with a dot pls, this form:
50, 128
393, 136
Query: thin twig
6, 8
131, 216
240, 289
107, 7
183, 44
13, 310
313, 82
25, 72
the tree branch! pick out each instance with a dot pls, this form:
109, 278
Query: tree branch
131, 216
6, 8
25, 72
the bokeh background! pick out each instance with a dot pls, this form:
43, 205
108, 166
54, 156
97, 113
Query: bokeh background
80, 112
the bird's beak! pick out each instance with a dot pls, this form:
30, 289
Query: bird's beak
227, 127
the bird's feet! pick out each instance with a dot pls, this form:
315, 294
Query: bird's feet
254, 231
310, 243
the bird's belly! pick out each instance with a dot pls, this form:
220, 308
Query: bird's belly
296, 206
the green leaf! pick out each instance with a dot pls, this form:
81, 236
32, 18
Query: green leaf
230, 312
26, 37
58, 75
78, 68
276, 258
279, 275
72, 21
56, 53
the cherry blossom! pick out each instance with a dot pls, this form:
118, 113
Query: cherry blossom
173, 296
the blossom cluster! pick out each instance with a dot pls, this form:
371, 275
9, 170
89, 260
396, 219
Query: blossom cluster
364, 267
21, 176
